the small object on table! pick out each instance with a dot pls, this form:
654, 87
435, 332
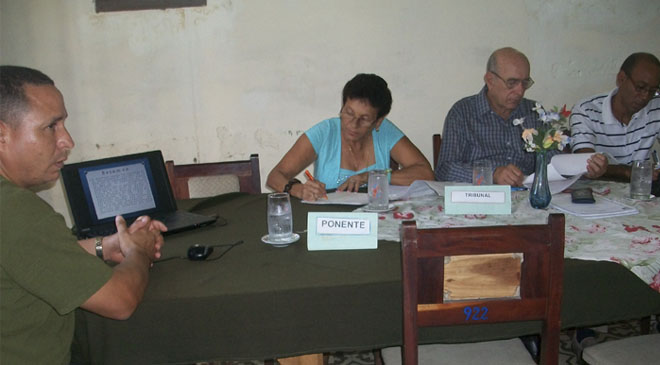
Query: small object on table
582, 196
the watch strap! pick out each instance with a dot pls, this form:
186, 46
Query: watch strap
290, 184
98, 246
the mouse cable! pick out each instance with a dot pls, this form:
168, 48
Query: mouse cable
229, 247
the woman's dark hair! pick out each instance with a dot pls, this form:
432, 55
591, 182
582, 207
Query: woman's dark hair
372, 88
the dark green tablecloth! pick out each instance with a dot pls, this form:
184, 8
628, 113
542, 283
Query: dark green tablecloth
260, 302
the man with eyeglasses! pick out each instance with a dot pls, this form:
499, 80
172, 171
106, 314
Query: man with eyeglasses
625, 122
480, 128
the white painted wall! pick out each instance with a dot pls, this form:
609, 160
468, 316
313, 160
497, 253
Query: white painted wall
249, 76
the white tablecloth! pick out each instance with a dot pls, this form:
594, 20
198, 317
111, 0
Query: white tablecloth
632, 241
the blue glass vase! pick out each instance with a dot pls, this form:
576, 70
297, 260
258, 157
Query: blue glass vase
539, 195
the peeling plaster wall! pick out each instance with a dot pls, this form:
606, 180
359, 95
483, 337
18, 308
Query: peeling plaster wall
239, 77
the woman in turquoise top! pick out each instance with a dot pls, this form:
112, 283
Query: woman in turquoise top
345, 149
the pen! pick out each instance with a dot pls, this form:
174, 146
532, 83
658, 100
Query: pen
518, 188
311, 178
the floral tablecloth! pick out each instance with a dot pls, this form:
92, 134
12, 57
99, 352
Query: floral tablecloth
632, 241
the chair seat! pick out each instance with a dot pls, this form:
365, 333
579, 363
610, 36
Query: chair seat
632, 350
489, 352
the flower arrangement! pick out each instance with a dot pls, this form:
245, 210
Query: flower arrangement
551, 134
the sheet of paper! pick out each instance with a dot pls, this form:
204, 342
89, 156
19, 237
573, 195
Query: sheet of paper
416, 189
342, 198
569, 164
602, 208
572, 165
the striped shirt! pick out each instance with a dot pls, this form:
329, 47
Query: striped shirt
594, 126
474, 132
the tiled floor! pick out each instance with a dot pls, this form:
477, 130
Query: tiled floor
566, 355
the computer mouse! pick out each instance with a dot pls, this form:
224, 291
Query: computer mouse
199, 252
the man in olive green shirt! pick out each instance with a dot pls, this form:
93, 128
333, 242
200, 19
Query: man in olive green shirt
45, 273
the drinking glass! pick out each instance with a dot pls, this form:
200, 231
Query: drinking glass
378, 190
280, 219
640, 179
482, 173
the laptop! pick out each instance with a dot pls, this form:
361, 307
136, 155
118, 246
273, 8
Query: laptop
130, 186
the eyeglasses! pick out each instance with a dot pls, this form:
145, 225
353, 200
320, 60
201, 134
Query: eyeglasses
511, 83
642, 88
362, 121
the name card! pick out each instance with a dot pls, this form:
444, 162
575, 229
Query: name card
478, 199
341, 231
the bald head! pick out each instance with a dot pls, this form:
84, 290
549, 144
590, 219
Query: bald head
506, 78
506, 54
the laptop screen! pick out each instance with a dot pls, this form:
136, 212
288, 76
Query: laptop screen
120, 188
129, 185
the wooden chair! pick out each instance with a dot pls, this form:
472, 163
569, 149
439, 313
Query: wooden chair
209, 179
437, 141
425, 277
643, 349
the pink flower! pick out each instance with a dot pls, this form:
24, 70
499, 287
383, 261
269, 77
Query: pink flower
475, 216
405, 215
635, 228
647, 245
655, 284
641, 240
596, 228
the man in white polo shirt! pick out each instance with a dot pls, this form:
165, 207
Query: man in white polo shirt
624, 123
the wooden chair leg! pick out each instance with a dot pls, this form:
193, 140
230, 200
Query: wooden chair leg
645, 325
378, 358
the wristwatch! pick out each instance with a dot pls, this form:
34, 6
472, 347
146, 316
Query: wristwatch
98, 246
290, 184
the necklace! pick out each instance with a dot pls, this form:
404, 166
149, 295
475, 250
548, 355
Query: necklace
354, 161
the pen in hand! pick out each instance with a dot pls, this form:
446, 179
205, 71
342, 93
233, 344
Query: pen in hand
311, 178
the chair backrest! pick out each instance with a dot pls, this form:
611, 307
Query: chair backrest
541, 274
437, 141
207, 179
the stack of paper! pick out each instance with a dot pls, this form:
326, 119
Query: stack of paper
572, 165
342, 198
602, 208
417, 189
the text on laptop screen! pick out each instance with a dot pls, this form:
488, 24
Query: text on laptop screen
118, 188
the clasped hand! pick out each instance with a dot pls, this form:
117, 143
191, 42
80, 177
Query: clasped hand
143, 235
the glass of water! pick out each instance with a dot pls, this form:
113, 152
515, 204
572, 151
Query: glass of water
482, 173
640, 179
378, 188
280, 219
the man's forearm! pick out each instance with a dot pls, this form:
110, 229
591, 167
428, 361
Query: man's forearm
617, 173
